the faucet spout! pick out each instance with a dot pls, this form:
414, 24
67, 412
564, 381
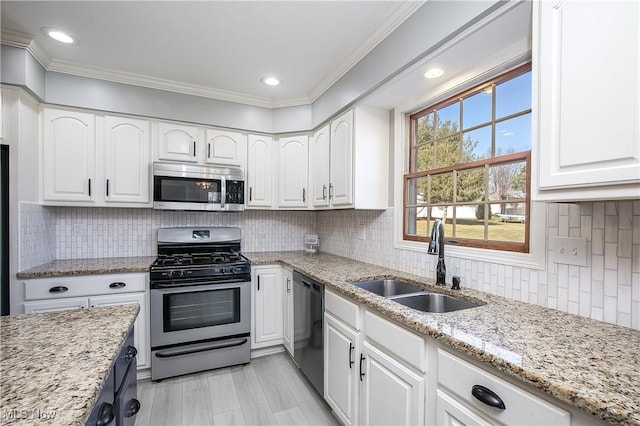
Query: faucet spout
436, 246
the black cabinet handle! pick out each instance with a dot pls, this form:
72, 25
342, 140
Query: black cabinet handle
131, 353
487, 396
361, 373
330, 191
304, 195
58, 289
250, 193
194, 148
132, 408
258, 282
350, 350
107, 187
107, 415
117, 285
89, 187
209, 150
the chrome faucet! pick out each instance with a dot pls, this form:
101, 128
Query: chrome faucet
436, 246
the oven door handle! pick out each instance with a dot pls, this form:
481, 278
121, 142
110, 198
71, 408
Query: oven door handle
187, 283
179, 352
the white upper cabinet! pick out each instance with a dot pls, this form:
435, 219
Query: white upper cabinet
224, 147
260, 172
177, 142
127, 149
95, 160
341, 160
293, 171
69, 143
319, 149
349, 161
586, 59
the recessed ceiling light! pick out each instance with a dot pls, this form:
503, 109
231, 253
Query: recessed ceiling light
433, 72
58, 35
270, 81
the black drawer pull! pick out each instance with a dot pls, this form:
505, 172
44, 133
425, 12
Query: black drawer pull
58, 289
361, 373
133, 408
351, 347
117, 285
107, 415
487, 396
131, 353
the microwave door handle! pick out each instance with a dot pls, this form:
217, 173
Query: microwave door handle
223, 191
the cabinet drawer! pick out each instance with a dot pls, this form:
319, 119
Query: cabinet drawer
521, 407
86, 285
402, 343
340, 307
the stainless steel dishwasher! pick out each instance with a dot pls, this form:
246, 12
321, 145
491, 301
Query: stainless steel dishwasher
308, 339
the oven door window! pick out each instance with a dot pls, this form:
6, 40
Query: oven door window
196, 309
187, 190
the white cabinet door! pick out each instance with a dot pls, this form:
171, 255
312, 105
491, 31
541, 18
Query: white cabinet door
177, 142
293, 170
260, 171
341, 367
224, 147
55, 305
287, 326
341, 160
450, 412
68, 156
319, 149
589, 104
127, 148
141, 332
391, 393
268, 306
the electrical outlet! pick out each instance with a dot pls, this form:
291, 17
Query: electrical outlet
569, 250
362, 234
78, 230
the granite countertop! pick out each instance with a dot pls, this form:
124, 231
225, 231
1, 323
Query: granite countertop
591, 365
109, 265
53, 365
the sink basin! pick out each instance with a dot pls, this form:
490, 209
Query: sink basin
433, 302
388, 288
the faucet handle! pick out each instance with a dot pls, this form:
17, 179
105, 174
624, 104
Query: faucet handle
455, 283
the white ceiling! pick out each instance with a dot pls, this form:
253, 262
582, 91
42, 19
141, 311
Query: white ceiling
218, 49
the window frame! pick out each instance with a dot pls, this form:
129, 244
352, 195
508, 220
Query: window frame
409, 156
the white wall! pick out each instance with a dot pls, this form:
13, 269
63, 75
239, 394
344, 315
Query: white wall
607, 289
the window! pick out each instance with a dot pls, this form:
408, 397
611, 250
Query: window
469, 165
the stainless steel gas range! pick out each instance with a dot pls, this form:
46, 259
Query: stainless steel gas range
200, 301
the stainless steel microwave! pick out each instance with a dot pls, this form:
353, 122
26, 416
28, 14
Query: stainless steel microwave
193, 187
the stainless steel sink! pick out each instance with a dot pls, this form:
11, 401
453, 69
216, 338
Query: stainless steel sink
388, 288
433, 302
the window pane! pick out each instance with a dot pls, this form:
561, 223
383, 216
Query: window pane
442, 188
470, 185
448, 120
476, 144
513, 135
476, 109
423, 158
417, 191
507, 181
424, 129
513, 95
470, 222
508, 222
448, 151
417, 222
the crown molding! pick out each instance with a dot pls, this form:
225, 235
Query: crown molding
401, 14
26, 42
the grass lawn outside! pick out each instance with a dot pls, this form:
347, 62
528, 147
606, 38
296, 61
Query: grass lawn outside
468, 228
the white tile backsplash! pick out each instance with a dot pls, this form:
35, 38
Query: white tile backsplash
603, 290
607, 289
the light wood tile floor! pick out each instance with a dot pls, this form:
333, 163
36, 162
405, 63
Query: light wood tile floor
268, 391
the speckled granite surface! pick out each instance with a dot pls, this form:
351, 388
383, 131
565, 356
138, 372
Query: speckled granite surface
111, 265
592, 365
53, 365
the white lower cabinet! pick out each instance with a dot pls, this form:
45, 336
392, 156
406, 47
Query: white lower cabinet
391, 393
267, 306
90, 291
450, 412
341, 349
